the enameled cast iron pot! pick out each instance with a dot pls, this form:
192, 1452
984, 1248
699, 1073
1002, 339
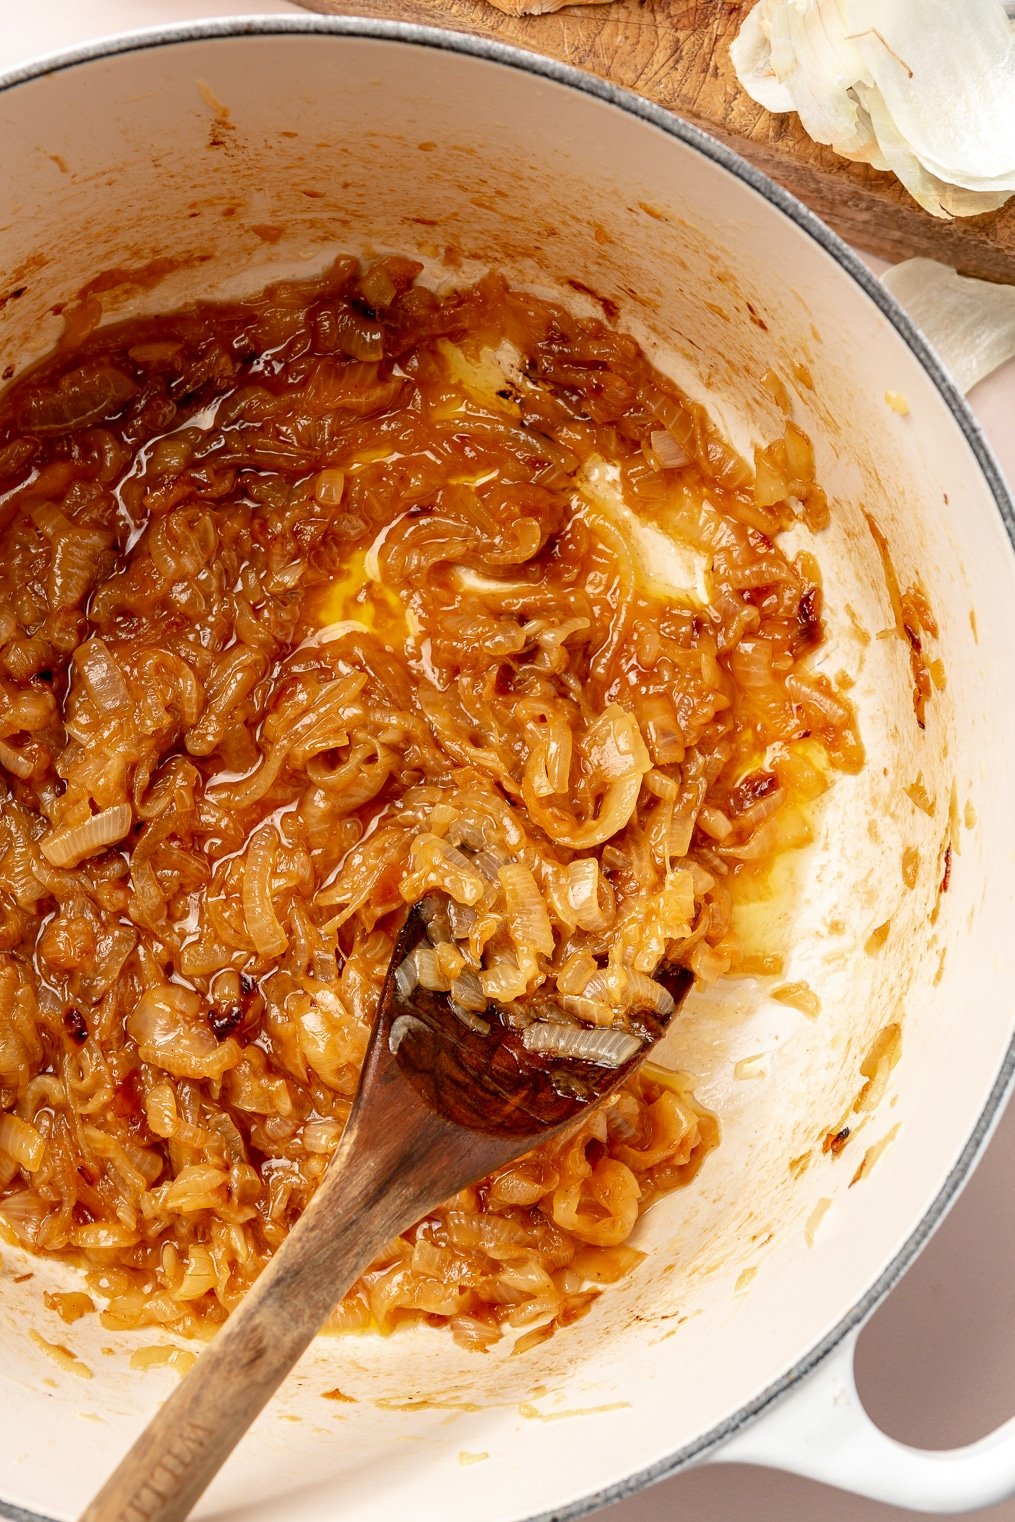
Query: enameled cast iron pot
734, 1338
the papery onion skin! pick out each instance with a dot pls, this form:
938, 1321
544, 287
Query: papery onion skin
973, 321
920, 87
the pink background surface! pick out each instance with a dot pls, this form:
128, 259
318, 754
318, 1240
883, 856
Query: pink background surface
936, 1364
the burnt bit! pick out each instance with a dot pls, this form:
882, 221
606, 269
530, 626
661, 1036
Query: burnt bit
809, 618
13, 295
834, 1142
756, 317
751, 789
946, 876
914, 620
224, 1019
234, 1019
921, 676
126, 1101
74, 1025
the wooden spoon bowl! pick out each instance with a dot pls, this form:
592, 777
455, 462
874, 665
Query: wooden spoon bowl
439, 1105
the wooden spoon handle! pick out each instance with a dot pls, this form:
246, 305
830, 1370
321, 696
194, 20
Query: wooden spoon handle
397, 1160
351, 1217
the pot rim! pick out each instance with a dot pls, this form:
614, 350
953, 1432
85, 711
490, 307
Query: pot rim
493, 51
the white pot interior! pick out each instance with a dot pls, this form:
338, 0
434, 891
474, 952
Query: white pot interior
328, 143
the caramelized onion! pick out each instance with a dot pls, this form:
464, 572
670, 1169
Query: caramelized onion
530, 923
68, 847
583, 889
103, 676
406, 977
262, 923
646, 993
467, 991
605, 1048
200, 1275
668, 453
434, 863
367, 622
166, 1023
575, 973
84, 396
549, 767
23, 1211
21, 1142
14, 762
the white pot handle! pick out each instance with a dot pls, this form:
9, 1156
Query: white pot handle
820, 1430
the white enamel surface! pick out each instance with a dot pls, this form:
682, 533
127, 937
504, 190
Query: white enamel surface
519, 173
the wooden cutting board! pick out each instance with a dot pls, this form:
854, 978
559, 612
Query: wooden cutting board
676, 52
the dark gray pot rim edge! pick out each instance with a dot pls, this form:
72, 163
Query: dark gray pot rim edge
515, 57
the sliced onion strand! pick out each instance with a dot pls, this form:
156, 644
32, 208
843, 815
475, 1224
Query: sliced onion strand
605, 1048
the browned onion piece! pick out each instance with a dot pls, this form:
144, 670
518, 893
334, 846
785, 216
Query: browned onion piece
14, 761
68, 847
605, 1048
668, 453
615, 751
84, 396
21, 1142
167, 1026
262, 923
103, 675
530, 923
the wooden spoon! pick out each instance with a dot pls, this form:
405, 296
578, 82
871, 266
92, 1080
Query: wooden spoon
439, 1105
